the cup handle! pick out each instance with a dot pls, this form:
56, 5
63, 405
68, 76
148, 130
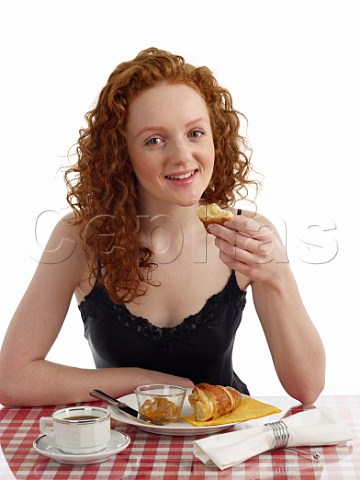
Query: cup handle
44, 422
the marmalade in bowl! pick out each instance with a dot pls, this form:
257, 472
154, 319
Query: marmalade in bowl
160, 410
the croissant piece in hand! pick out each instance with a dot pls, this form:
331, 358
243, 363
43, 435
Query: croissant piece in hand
212, 213
213, 401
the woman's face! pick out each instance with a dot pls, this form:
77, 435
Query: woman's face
170, 145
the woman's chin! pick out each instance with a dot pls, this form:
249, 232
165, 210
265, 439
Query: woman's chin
190, 202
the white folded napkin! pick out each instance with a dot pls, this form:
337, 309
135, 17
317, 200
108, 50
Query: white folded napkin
318, 426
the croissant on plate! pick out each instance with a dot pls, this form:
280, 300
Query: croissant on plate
213, 401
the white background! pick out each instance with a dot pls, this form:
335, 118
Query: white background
293, 69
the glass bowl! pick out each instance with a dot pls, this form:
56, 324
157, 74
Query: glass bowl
160, 403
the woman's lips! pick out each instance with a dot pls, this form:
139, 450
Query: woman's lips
182, 178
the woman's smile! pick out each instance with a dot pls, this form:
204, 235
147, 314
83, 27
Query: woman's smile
183, 178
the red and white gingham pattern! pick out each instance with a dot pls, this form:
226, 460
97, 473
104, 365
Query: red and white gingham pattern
154, 457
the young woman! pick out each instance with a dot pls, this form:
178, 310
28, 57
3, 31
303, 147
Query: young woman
160, 297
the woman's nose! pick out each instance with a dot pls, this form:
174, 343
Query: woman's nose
180, 152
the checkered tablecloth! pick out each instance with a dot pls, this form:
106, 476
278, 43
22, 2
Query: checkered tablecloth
152, 456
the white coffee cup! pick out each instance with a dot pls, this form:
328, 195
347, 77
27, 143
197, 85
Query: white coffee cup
78, 430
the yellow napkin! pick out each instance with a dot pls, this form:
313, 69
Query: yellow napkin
247, 410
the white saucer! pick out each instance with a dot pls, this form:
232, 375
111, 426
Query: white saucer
45, 446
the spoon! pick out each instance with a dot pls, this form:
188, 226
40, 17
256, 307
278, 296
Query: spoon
125, 409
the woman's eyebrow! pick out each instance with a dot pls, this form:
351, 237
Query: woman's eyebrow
149, 129
162, 128
196, 120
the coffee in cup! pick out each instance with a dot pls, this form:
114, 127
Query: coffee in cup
78, 430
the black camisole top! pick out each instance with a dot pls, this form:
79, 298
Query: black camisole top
199, 348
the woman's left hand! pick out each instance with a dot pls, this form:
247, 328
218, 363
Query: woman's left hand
251, 246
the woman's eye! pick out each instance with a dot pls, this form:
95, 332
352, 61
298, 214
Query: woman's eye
196, 134
153, 141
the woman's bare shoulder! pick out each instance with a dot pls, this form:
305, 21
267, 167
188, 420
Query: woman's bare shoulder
66, 226
65, 244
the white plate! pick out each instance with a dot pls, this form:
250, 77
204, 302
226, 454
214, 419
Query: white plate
45, 446
178, 428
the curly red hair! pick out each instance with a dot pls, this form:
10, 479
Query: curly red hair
101, 185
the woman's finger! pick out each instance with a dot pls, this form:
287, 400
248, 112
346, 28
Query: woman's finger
247, 226
238, 266
237, 254
262, 247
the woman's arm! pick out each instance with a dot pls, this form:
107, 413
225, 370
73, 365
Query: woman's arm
253, 248
26, 377
294, 343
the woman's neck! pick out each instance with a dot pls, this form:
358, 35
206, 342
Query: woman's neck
171, 230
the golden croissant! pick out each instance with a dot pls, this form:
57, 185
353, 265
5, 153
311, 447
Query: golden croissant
213, 401
212, 213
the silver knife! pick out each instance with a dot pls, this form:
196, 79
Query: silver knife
114, 402
125, 409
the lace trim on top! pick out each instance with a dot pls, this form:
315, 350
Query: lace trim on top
230, 293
